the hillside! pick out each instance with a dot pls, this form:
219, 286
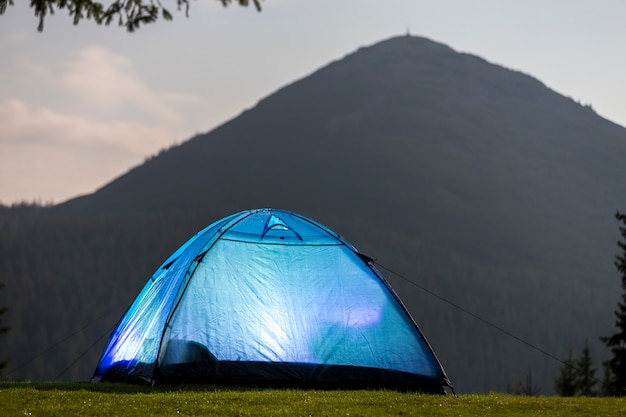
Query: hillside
474, 180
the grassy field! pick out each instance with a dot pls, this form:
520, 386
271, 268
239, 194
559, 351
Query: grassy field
62, 399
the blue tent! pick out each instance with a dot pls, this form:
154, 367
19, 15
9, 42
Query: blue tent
269, 296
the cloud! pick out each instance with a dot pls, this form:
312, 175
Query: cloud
107, 81
53, 156
25, 125
69, 128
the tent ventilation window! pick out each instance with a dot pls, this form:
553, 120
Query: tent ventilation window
275, 226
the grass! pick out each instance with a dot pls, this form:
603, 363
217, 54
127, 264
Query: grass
63, 399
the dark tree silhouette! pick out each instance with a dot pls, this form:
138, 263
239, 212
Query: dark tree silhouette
527, 387
3, 329
616, 366
586, 378
128, 13
577, 376
565, 384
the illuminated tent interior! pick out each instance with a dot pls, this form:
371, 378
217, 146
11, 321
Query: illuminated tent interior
269, 296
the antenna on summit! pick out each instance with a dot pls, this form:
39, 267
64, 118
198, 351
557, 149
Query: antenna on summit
408, 30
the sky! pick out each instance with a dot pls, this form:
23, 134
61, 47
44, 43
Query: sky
81, 105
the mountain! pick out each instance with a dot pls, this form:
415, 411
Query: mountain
474, 181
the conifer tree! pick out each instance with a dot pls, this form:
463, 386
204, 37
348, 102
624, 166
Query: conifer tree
3, 329
616, 365
586, 373
566, 383
607, 380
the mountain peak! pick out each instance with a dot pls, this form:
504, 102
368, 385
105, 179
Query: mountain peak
405, 89
412, 44
398, 49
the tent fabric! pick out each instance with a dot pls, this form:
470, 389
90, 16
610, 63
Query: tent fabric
270, 296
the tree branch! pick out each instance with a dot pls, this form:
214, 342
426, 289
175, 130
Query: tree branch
130, 14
